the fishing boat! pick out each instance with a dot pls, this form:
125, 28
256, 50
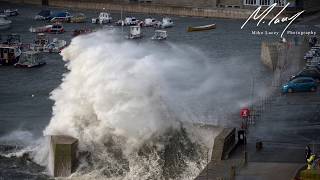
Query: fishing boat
149, 22
135, 32
4, 22
41, 29
9, 55
55, 46
159, 35
78, 18
166, 23
202, 28
56, 28
30, 59
104, 18
130, 21
40, 42
43, 15
13, 40
11, 12
61, 17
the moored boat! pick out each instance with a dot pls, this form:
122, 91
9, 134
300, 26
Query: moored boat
56, 28
202, 28
104, 18
149, 22
166, 23
61, 17
40, 29
55, 46
135, 32
159, 35
11, 12
9, 55
43, 15
30, 59
4, 22
40, 42
78, 18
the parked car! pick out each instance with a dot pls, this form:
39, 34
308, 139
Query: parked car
300, 84
308, 73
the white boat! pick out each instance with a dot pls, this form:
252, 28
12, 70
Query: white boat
129, 21
40, 42
166, 23
159, 35
55, 46
11, 12
30, 59
4, 22
148, 22
103, 18
43, 15
56, 28
9, 55
61, 17
40, 29
135, 32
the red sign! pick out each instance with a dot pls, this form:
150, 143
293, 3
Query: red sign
244, 112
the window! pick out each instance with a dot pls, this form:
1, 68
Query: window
250, 2
280, 2
265, 2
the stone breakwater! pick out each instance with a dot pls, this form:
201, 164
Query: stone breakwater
233, 13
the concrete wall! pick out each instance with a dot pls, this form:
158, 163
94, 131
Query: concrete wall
269, 54
155, 9
223, 143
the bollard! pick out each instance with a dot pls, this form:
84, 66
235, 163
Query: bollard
259, 145
63, 155
233, 172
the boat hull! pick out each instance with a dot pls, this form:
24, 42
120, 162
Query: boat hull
201, 28
17, 65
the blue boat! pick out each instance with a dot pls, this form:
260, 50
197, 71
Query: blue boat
61, 17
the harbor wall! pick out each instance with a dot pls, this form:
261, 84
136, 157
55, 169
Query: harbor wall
145, 8
155, 9
223, 143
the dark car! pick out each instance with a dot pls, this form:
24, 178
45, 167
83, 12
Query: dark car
313, 73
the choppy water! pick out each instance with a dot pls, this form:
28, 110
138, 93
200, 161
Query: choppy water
25, 107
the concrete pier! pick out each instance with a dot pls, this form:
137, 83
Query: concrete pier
63, 155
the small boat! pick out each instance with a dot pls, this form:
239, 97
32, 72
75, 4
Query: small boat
13, 40
11, 12
129, 21
4, 22
103, 18
159, 35
202, 28
9, 55
55, 46
166, 23
78, 18
135, 32
78, 32
30, 59
43, 15
149, 22
61, 17
40, 42
56, 28
40, 29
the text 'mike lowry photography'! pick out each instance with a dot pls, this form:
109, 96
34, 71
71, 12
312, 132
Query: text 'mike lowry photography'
159, 89
275, 20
